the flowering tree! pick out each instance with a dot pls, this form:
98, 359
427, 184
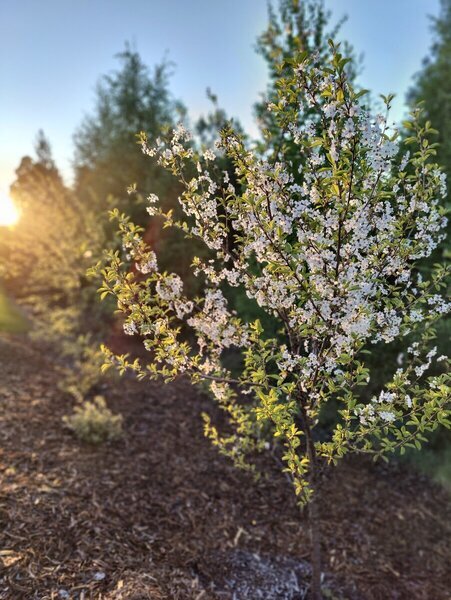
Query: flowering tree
332, 258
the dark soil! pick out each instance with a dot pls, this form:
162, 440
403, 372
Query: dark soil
159, 514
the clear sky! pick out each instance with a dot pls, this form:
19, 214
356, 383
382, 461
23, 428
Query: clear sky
53, 51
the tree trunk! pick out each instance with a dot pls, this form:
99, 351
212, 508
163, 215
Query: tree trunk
315, 540
313, 515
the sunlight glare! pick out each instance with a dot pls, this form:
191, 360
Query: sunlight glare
9, 213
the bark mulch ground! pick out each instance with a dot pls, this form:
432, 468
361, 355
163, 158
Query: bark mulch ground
159, 514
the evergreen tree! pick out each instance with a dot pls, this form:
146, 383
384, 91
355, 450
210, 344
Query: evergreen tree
433, 87
109, 162
107, 157
48, 251
295, 27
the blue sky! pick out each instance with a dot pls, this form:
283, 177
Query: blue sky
52, 52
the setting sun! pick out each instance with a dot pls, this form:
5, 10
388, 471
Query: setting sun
9, 213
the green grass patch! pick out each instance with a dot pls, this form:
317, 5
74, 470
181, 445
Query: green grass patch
434, 459
12, 319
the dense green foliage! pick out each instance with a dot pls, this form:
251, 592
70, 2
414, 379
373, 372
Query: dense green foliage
433, 87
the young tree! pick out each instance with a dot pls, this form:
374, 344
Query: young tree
330, 252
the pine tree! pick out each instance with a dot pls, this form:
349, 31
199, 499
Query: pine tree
107, 157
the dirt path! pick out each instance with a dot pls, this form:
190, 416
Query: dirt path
160, 515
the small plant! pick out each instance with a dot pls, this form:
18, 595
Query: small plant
94, 422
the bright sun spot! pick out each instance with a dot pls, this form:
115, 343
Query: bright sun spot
9, 213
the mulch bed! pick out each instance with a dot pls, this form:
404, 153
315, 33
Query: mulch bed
159, 514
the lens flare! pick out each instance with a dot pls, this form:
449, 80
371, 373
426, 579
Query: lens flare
9, 213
